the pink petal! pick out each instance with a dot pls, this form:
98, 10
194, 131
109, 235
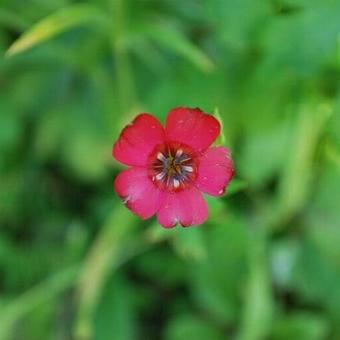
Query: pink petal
192, 127
138, 140
215, 171
186, 207
138, 192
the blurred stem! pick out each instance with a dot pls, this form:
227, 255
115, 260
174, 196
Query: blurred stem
33, 298
125, 82
298, 171
94, 272
257, 311
116, 243
102, 256
333, 154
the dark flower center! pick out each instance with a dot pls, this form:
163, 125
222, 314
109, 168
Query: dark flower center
173, 166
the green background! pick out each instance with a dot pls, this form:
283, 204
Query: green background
75, 263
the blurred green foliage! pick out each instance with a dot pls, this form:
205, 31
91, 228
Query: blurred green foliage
75, 264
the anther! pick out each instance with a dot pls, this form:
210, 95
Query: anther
160, 156
160, 176
187, 168
179, 153
176, 183
173, 168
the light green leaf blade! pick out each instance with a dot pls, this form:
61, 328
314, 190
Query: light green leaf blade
298, 171
55, 24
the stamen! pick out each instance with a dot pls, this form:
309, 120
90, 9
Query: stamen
161, 157
179, 153
187, 168
185, 159
176, 183
173, 167
126, 199
160, 176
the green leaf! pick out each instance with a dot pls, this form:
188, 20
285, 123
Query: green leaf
191, 328
287, 42
116, 314
55, 24
235, 186
11, 20
301, 325
237, 21
176, 41
271, 142
216, 279
190, 244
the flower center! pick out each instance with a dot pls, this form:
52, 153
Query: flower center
173, 166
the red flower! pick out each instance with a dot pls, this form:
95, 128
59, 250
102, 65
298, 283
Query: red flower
169, 167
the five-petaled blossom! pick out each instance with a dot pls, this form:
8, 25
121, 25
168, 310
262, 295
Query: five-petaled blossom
171, 166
